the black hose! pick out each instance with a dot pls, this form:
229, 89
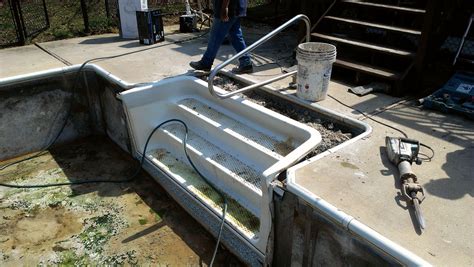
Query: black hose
224, 199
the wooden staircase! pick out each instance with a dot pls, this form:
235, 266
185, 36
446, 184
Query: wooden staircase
375, 40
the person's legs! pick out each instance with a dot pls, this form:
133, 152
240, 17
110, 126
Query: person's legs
237, 39
218, 33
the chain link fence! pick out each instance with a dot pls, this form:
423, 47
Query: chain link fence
34, 16
8, 31
46, 20
21, 19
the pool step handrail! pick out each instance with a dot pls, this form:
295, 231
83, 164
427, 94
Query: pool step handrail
250, 48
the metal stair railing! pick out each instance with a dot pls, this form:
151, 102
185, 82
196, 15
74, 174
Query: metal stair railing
251, 48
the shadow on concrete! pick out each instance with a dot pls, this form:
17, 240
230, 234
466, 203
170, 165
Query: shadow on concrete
391, 169
460, 181
372, 105
134, 44
103, 40
195, 47
447, 127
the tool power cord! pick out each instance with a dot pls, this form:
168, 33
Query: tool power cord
424, 158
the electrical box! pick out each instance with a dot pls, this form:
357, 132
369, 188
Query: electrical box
188, 23
127, 17
150, 26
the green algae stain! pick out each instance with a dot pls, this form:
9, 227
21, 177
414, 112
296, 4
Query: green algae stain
236, 214
99, 230
69, 258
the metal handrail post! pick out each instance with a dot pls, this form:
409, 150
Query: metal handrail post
262, 40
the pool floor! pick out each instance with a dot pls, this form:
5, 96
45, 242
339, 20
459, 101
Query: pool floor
133, 223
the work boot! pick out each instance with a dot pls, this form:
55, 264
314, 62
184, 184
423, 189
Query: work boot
198, 65
243, 69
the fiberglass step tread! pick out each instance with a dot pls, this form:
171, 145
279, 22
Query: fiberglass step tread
374, 25
384, 73
379, 48
214, 155
237, 216
397, 8
256, 139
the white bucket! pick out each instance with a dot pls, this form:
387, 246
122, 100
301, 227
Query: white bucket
314, 70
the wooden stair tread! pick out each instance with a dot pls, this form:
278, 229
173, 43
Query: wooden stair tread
379, 48
384, 73
374, 25
398, 8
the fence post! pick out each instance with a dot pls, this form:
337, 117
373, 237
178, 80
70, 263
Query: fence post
107, 10
20, 32
46, 12
85, 16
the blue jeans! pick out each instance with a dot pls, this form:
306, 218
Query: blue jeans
219, 31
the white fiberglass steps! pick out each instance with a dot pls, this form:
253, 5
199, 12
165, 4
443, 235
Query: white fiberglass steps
245, 181
237, 216
242, 135
238, 146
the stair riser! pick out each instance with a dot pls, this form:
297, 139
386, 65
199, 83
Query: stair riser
370, 57
378, 15
355, 77
419, 4
248, 198
373, 35
240, 148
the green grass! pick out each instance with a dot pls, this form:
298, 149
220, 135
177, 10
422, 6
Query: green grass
66, 20
7, 27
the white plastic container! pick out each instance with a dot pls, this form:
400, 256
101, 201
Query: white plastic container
128, 17
314, 70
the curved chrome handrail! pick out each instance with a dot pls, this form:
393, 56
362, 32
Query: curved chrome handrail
262, 40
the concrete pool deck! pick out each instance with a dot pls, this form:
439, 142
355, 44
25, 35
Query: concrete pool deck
357, 179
